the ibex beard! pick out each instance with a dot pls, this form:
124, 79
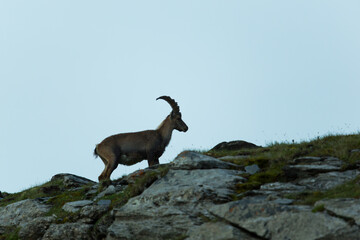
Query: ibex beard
131, 148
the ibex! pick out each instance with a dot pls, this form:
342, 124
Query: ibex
131, 148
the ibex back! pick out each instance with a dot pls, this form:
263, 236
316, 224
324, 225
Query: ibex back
131, 148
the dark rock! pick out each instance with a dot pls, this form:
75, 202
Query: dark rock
50, 189
234, 145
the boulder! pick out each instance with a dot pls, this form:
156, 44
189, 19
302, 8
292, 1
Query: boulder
234, 145
72, 181
22, 212
173, 204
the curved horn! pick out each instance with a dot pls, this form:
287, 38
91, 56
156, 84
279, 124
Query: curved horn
172, 103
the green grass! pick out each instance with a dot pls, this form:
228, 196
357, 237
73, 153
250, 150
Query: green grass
50, 188
319, 208
11, 233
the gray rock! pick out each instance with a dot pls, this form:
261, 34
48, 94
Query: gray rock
36, 228
343, 207
191, 160
22, 212
355, 150
108, 191
252, 169
72, 181
104, 202
311, 166
69, 231
217, 231
91, 213
163, 222
329, 180
270, 220
76, 205
182, 186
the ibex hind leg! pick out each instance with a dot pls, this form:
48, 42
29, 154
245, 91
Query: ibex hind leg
110, 162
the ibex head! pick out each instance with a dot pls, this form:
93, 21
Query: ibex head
175, 114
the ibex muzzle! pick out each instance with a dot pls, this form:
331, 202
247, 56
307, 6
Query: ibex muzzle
131, 148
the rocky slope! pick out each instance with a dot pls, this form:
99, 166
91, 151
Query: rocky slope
196, 197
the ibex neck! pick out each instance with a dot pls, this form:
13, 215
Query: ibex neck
165, 129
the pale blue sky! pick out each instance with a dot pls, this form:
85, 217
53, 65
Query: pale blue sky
75, 72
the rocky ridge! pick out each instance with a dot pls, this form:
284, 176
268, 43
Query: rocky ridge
193, 197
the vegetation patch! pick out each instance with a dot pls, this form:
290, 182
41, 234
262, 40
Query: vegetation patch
274, 157
319, 208
48, 189
10, 233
